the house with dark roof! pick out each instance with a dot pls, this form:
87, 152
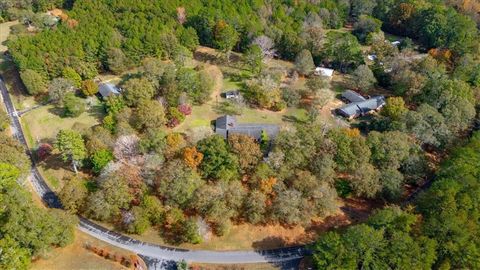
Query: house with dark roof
108, 89
350, 96
227, 124
358, 105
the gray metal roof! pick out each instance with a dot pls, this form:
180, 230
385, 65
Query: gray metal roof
372, 103
108, 89
350, 110
255, 130
356, 109
352, 96
227, 124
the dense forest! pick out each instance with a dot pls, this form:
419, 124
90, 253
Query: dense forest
116, 34
139, 173
440, 232
26, 230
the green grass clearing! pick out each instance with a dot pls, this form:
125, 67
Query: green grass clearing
44, 123
228, 84
53, 181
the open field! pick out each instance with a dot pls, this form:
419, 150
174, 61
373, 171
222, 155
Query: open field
4, 33
44, 123
242, 237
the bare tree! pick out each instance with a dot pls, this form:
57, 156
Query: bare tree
196, 134
267, 45
313, 32
126, 147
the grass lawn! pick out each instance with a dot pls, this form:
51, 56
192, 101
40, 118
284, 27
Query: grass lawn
228, 84
43, 124
264, 116
4, 33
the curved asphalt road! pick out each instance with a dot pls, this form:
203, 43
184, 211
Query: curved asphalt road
156, 256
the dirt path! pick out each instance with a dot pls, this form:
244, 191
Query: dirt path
217, 76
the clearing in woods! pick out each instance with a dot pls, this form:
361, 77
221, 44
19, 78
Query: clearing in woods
4, 33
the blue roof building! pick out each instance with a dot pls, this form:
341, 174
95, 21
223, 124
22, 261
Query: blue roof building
360, 108
108, 89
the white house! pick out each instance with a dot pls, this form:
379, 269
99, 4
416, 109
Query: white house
372, 57
326, 72
395, 43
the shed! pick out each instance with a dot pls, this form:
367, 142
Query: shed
396, 43
108, 89
321, 71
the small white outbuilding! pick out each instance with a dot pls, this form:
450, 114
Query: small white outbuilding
326, 72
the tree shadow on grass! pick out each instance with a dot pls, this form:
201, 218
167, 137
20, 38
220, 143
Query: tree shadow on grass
269, 242
293, 119
55, 162
97, 111
57, 111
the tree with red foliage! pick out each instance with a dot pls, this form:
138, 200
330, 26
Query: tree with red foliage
185, 109
44, 151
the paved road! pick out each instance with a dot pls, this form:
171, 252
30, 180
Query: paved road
158, 256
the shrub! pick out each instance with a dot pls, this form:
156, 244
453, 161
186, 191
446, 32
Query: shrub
89, 88
291, 96
278, 106
185, 109
175, 117
73, 106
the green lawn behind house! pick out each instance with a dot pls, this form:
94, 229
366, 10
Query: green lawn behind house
43, 124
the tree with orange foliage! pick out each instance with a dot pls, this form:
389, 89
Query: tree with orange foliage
133, 177
441, 55
71, 23
247, 151
266, 185
192, 157
352, 132
175, 142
